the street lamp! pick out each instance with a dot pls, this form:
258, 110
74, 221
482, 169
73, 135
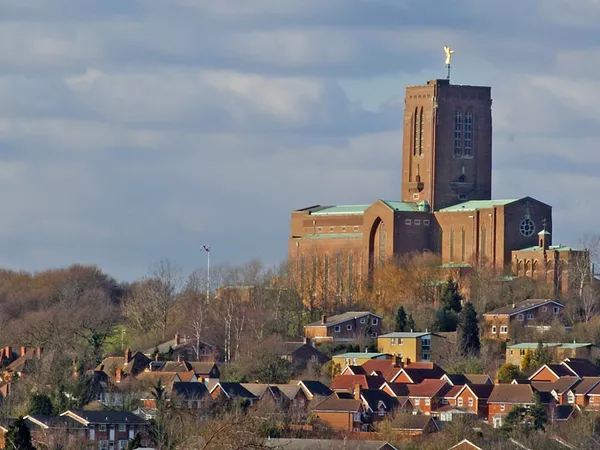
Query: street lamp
206, 248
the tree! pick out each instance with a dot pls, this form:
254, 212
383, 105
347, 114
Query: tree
445, 320
401, 319
410, 323
528, 362
273, 369
451, 299
542, 355
40, 404
468, 331
18, 436
134, 443
538, 414
508, 372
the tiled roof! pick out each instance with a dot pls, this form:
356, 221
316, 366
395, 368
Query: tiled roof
341, 318
468, 378
378, 365
521, 307
428, 388
481, 390
373, 396
512, 393
339, 402
52, 421
190, 391
418, 372
453, 391
399, 389
585, 385
235, 390
347, 382
355, 370
257, 389
166, 378
582, 367
288, 390
315, 388
107, 417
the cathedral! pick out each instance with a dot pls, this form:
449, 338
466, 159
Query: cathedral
445, 204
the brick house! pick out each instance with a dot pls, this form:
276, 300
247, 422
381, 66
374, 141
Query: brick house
314, 389
186, 348
569, 367
109, 429
506, 396
475, 398
346, 327
417, 372
539, 313
342, 411
426, 397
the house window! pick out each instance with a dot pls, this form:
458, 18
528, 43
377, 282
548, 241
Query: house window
426, 356
502, 407
460, 401
331, 229
355, 229
354, 361
319, 229
520, 317
470, 401
417, 401
503, 330
426, 222
529, 316
426, 344
122, 427
393, 341
123, 444
570, 397
337, 329
555, 310
544, 308
468, 133
363, 320
494, 329
343, 229
417, 222
348, 327
102, 427
511, 352
374, 334
457, 133
103, 445
407, 221
400, 341
374, 321
347, 361
427, 402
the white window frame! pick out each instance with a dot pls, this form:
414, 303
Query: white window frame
355, 228
337, 329
122, 427
494, 329
459, 402
393, 341
103, 445
502, 407
374, 321
555, 309
427, 402
570, 398
331, 229
504, 329
102, 427
363, 320
123, 443
417, 401
401, 341
470, 402
374, 334
544, 308
348, 327
407, 221
530, 316
520, 317
343, 229
319, 229
354, 361
426, 222
511, 352
417, 221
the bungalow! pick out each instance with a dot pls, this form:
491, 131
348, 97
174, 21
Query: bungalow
537, 313
346, 327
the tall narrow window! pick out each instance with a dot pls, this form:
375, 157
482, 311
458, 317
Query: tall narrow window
421, 128
457, 133
469, 134
338, 277
416, 137
313, 283
483, 244
302, 275
452, 244
463, 238
350, 275
382, 231
325, 287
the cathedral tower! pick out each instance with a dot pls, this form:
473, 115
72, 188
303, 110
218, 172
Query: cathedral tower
447, 144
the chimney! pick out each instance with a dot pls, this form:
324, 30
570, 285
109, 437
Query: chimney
38, 352
177, 339
156, 357
357, 391
395, 360
118, 375
178, 358
127, 355
407, 361
23, 351
366, 349
8, 351
323, 318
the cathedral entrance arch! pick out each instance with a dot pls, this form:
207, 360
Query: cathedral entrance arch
377, 246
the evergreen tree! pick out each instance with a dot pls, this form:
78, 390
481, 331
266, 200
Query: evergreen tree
445, 320
134, 443
40, 404
542, 355
451, 299
401, 319
528, 362
410, 323
538, 415
18, 436
468, 331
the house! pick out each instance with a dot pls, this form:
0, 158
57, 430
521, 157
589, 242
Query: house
204, 371
582, 350
25, 363
279, 396
188, 395
343, 411
346, 327
472, 398
569, 367
357, 358
416, 347
230, 391
413, 425
129, 365
579, 392
327, 444
426, 396
303, 353
111, 429
467, 378
347, 382
417, 372
185, 348
465, 444
378, 403
313, 389
55, 431
539, 313
505, 396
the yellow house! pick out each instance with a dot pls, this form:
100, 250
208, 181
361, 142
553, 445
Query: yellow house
560, 351
357, 358
415, 346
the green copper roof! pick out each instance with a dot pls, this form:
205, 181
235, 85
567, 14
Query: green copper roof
334, 236
360, 355
474, 205
402, 206
559, 248
340, 210
534, 345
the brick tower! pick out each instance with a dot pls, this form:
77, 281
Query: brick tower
447, 144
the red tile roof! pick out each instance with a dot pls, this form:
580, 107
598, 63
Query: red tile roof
428, 388
347, 382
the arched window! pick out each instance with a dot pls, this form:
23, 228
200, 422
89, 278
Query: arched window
416, 123
469, 134
458, 133
421, 127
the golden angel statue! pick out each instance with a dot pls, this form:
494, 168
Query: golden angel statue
449, 52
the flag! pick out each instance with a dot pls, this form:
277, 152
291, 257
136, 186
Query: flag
206, 248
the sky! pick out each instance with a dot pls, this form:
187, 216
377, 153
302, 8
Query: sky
137, 130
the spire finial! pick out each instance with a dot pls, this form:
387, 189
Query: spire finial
448, 52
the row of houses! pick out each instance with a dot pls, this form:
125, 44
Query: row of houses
366, 394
